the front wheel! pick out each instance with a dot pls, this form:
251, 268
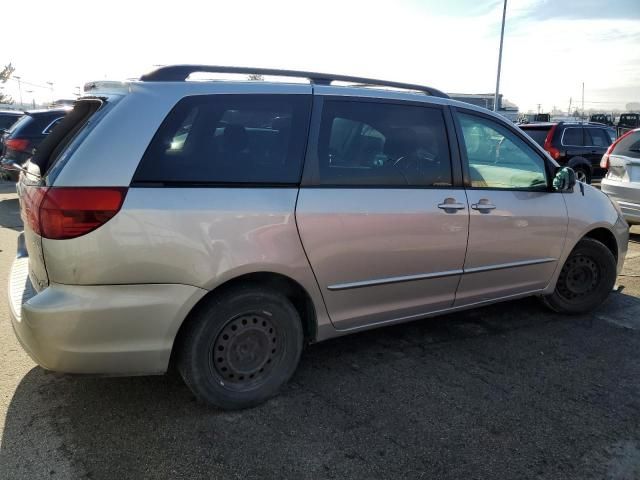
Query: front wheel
241, 347
585, 280
583, 174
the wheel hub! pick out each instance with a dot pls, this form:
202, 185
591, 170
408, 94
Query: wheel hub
245, 349
579, 277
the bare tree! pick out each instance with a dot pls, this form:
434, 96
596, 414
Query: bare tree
5, 74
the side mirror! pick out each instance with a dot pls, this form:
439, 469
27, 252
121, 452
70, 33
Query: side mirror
564, 180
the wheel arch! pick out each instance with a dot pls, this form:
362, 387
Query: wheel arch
606, 237
278, 282
580, 161
601, 233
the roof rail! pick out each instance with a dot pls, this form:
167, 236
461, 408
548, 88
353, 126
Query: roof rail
179, 73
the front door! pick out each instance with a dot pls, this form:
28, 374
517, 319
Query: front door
517, 225
383, 225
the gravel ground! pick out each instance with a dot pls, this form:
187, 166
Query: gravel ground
507, 391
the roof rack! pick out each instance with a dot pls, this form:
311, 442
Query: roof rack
179, 73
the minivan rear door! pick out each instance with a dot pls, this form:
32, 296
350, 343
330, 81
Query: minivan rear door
33, 185
381, 212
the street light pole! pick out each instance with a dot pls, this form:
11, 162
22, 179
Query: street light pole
495, 100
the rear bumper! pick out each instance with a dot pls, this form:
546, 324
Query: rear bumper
627, 196
98, 329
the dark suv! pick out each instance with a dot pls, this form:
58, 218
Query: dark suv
8, 118
627, 122
26, 134
576, 145
603, 118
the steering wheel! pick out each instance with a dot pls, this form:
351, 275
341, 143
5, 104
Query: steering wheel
399, 160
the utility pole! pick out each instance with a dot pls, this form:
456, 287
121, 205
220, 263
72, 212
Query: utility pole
19, 89
582, 102
539, 105
495, 99
569, 111
51, 87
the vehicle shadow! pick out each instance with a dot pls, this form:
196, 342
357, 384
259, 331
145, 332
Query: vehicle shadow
10, 213
497, 392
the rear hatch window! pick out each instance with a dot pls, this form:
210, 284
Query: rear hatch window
628, 146
538, 134
38, 123
20, 123
7, 120
62, 133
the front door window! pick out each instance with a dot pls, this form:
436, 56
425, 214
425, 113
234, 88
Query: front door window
498, 159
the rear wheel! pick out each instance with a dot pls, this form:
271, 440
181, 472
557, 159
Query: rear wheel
585, 280
241, 347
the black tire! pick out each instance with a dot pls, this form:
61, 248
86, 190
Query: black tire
586, 279
583, 172
240, 347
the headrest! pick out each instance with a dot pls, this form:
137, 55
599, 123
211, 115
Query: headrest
400, 142
235, 137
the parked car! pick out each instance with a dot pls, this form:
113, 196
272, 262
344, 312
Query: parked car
622, 182
602, 118
628, 121
8, 118
25, 136
576, 145
225, 224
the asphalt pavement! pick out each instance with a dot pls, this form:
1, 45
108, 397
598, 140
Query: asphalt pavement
509, 391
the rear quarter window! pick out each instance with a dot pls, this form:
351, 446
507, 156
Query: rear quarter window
241, 139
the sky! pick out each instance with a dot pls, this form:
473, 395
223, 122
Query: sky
550, 46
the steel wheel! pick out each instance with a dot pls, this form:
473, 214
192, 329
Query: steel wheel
579, 277
240, 347
586, 278
245, 351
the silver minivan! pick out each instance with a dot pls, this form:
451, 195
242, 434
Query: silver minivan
223, 225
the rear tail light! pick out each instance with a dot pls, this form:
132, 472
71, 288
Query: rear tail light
553, 151
604, 163
68, 212
18, 144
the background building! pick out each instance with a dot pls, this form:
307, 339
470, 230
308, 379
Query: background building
485, 100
